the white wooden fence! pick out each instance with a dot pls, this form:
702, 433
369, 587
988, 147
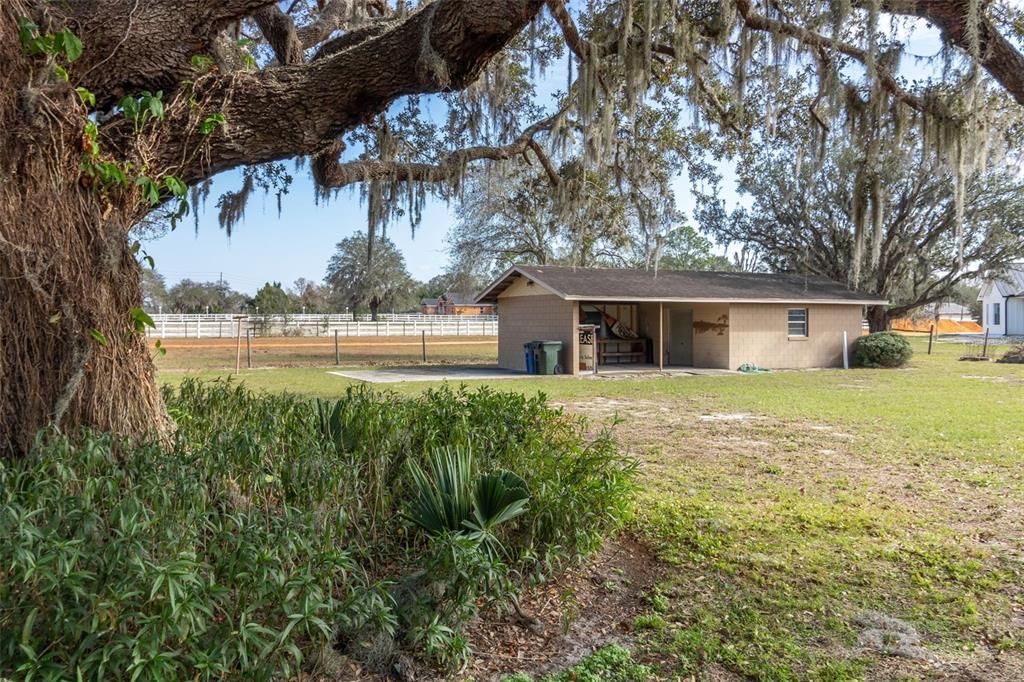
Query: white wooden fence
173, 325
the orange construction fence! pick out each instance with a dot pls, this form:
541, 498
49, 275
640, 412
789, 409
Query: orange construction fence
941, 326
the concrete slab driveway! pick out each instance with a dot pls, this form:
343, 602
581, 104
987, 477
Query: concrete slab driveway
394, 375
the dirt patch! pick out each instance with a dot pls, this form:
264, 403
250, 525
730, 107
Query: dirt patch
732, 448
890, 636
899, 645
586, 608
980, 666
729, 417
993, 379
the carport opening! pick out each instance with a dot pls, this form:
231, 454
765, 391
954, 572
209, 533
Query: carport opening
640, 336
620, 336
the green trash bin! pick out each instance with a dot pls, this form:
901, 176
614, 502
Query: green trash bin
549, 351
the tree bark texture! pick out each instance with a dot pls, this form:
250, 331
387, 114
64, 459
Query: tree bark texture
69, 354
878, 318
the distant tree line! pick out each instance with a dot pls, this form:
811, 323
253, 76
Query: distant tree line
351, 284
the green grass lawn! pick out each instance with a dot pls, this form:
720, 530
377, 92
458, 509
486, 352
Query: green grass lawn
795, 509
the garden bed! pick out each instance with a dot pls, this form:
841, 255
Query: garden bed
280, 537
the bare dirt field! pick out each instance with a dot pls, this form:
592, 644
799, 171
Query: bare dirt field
220, 353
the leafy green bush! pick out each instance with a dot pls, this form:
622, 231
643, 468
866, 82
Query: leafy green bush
882, 349
140, 563
276, 525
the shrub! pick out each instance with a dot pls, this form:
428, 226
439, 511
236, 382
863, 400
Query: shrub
882, 349
275, 524
140, 563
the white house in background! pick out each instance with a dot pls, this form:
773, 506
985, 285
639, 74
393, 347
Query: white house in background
949, 311
1002, 302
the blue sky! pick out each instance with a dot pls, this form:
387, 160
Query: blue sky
299, 242
266, 247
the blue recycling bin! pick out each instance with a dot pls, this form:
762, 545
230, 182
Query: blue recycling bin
530, 349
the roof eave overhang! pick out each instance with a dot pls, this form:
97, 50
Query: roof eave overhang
696, 299
485, 296
504, 281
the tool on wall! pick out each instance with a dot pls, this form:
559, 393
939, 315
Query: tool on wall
617, 328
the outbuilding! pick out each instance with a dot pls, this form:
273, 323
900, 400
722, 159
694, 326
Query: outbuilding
608, 317
1002, 302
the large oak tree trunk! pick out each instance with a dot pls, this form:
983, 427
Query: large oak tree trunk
69, 353
878, 318
53, 308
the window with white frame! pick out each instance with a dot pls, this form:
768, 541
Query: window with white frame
798, 321
995, 314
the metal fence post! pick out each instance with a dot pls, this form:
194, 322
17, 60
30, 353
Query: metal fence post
238, 346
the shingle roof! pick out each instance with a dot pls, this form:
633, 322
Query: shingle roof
1011, 281
428, 301
613, 284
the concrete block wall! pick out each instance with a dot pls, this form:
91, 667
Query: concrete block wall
543, 317
758, 334
710, 345
711, 342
